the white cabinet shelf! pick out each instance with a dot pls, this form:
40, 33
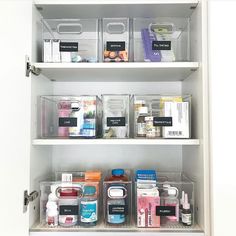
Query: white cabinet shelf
117, 72
59, 141
105, 8
179, 229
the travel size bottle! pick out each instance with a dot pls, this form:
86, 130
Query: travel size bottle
181, 202
141, 123
186, 212
52, 214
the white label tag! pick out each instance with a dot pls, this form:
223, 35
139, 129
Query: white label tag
65, 177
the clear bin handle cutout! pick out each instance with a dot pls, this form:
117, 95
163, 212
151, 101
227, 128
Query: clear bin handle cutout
69, 28
115, 28
161, 28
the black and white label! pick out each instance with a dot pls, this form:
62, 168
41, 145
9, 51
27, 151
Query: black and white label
118, 210
187, 218
175, 133
165, 211
68, 210
69, 47
67, 122
115, 121
162, 121
115, 46
161, 45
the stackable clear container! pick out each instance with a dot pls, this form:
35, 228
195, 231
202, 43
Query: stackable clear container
117, 200
154, 210
68, 204
161, 39
116, 116
72, 40
70, 116
157, 116
115, 39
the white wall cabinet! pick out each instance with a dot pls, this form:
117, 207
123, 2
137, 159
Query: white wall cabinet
35, 159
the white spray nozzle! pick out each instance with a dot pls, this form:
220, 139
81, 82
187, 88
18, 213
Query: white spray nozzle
186, 205
182, 198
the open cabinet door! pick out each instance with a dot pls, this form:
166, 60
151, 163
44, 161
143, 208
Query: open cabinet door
223, 84
15, 41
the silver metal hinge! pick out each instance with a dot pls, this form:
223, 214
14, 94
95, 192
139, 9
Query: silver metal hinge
30, 68
29, 198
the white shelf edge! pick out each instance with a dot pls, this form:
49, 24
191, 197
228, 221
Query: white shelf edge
116, 142
128, 65
102, 228
101, 2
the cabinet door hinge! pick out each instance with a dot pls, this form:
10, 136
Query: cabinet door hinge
30, 68
29, 198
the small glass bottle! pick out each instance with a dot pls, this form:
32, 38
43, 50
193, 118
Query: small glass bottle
181, 202
186, 212
141, 123
150, 129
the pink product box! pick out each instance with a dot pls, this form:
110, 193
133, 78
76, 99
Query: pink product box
64, 111
146, 211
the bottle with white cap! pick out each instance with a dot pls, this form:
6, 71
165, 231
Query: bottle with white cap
52, 197
186, 212
52, 214
141, 123
172, 201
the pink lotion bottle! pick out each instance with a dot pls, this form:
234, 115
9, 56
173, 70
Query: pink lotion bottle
172, 200
63, 112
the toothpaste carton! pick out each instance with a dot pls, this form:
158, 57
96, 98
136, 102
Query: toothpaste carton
147, 201
146, 178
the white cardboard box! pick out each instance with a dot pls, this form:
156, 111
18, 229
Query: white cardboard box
56, 56
47, 50
179, 111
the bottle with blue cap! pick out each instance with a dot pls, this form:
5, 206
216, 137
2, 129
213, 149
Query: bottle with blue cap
89, 207
118, 175
117, 206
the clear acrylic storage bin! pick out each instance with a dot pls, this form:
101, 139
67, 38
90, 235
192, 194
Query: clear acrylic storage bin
161, 39
70, 116
115, 39
70, 40
160, 204
78, 176
69, 204
117, 198
116, 116
157, 116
